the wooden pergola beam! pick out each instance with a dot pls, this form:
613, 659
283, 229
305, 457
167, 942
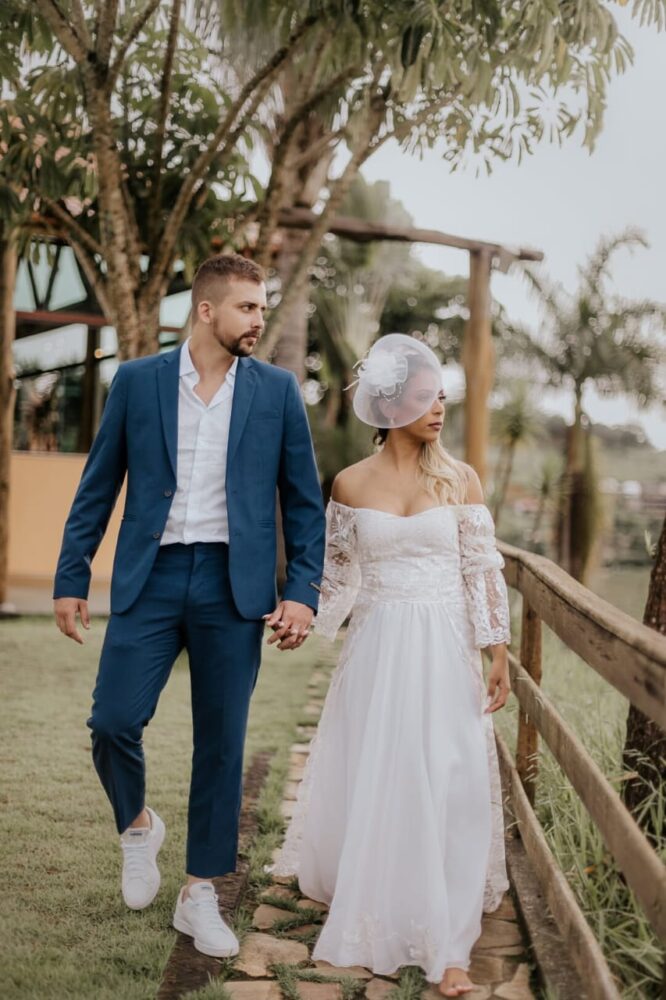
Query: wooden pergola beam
366, 232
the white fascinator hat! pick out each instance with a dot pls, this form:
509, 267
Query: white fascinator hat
397, 382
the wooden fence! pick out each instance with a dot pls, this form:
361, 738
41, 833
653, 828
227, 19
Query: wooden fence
632, 658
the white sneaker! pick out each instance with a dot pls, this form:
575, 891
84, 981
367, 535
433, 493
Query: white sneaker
141, 876
199, 917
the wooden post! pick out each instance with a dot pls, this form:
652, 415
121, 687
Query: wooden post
527, 746
89, 392
478, 358
7, 328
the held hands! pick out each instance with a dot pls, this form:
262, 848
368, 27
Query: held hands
499, 685
290, 623
66, 610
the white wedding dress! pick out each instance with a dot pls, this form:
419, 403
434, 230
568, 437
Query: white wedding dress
398, 824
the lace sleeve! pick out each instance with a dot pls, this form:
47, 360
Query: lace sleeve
342, 574
481, 565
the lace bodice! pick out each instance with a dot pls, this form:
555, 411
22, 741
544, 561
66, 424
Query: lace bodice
444, 554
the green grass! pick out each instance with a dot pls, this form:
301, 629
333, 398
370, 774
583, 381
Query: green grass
65, 931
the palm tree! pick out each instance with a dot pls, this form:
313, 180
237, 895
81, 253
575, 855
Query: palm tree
548, 491
592, 338
514, 423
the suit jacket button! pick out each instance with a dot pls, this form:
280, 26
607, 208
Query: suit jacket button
168, 493
156, 534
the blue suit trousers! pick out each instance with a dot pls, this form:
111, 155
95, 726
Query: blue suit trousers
186, 603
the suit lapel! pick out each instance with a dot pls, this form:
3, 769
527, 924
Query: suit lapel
244, 387
168, 371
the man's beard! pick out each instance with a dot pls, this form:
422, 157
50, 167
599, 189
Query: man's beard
242, 347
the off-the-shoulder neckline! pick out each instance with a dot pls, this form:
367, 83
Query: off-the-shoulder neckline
405, 517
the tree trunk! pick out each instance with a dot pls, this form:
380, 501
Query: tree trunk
478, 358
571, 486
89, 395
7, 330
538, 518
291, 348
645, 744
506, 479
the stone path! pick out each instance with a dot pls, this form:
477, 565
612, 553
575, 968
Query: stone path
274, 961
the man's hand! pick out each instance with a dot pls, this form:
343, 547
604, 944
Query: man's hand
290, 623
66, 610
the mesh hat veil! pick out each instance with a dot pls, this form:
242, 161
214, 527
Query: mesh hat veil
398, 381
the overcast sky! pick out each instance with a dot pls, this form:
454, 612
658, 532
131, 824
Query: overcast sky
561, 200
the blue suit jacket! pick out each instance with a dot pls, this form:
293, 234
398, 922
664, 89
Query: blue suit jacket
269, 447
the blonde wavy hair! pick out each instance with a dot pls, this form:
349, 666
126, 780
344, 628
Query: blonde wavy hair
440, 475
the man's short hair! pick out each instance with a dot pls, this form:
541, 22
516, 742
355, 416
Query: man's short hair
213, 276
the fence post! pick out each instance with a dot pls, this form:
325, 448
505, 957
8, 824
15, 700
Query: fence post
527, 746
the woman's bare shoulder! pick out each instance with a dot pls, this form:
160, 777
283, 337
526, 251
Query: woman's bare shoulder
474, 489
349, 484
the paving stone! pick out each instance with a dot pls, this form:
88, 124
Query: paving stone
300, 748
505, 951
312, 709
279, 892
378, 989
295, 773
303, 930
480, 993
506, 910
320, 991
311, 904
291, 790
266, 915
282, 879
498, 933
518, 988
357, 971
258, 951
287, 809
267, 990
486, 969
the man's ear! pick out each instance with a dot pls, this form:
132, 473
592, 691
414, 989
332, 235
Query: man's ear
204, 311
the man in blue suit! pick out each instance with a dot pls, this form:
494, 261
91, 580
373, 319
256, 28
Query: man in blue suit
206, 436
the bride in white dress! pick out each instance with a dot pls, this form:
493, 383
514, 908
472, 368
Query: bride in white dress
398, 824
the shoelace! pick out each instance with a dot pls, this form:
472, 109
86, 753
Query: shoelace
135, 860
207, 907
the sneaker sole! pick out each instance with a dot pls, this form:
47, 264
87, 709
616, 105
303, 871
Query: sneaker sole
161, 833
184, 928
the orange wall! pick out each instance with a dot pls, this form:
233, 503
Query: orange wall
42, 487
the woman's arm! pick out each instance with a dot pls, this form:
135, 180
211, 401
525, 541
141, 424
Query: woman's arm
499, 685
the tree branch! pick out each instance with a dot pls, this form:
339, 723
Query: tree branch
317, 148
369, 142
260, 84
74, 229
270, 209
132, 35
106, 27
63, 30
165, 96
78, 20
94, 279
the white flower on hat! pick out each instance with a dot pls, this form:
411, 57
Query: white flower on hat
381, 373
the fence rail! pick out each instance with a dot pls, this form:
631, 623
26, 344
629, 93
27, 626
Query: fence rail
631, 657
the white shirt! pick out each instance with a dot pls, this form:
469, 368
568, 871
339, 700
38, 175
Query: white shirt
198, 511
